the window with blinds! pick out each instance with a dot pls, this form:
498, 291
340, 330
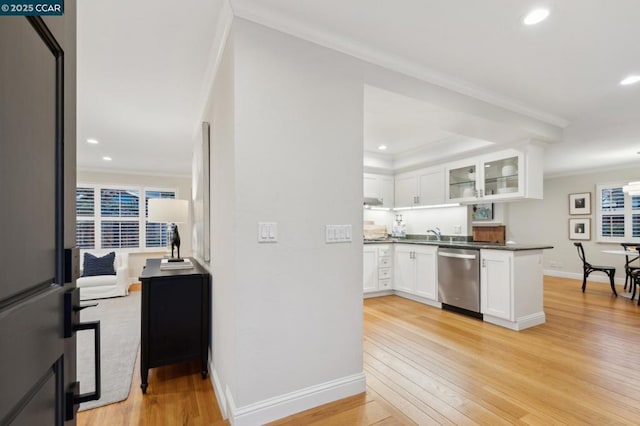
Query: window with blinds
618, 215
85, 221
111, 217
155, 233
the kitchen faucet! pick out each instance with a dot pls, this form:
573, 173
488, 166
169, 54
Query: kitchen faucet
436, 232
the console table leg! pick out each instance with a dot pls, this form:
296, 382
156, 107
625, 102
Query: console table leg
144, 375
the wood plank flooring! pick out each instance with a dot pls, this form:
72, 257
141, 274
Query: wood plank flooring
426, 366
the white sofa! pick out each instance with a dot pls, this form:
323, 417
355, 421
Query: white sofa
103, 286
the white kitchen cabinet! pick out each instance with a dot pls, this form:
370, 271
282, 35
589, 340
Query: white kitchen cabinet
377, 270
370, 268
404, 273
426, 260
496, 177
511, 290
416, 270
421, 187
379, 187
495, 284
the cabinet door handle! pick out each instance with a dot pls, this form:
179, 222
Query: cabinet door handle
418, 199
484, 263
481, 193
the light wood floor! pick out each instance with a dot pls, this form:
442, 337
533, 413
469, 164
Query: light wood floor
426, 366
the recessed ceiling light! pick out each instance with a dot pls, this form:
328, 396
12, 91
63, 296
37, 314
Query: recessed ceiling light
382, 147
536, 16
93, 141
630, 80
105, 158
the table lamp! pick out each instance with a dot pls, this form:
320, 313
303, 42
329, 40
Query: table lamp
170, 211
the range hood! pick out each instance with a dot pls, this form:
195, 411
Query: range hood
372, 202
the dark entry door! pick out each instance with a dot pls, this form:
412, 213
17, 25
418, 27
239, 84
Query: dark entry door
37, 119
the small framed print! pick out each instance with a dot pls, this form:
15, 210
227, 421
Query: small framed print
580, 229
482, 212
580, 203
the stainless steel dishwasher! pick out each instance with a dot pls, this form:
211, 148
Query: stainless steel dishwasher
459, 279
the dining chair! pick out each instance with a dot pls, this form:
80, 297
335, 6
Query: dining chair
588, 268
628, 267
635, 282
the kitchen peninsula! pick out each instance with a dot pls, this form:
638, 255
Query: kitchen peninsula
510, 276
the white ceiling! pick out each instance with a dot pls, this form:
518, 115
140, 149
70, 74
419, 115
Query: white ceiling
142, 73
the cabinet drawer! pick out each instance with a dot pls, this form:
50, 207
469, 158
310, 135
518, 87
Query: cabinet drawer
384, 273
384, 251
384, 262
384, 284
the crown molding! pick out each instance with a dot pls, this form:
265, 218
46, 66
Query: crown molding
223, 28
267, 17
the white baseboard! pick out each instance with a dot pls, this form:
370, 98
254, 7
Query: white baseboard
420, 299
378, 294
285, 405
520, 324
594, 277
217, 389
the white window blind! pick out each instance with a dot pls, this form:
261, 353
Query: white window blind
85, 222
618, 214
86, 234
85, 202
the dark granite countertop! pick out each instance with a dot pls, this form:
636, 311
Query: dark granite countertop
462, 244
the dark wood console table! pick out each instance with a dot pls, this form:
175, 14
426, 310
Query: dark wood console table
176, 306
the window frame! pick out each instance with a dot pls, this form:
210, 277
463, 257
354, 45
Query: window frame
141, 218
627, 213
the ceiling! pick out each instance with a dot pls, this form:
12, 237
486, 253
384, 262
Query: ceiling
142, 74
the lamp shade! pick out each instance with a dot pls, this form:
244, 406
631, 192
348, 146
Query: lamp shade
168, 210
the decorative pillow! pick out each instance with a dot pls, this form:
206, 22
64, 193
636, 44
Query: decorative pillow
94, 265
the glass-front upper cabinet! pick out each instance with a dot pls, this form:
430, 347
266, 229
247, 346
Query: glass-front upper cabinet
502, 176
462, 181
491, 177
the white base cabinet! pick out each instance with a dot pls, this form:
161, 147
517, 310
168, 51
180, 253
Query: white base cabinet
511, 291
370, 268
377, 268
416, 271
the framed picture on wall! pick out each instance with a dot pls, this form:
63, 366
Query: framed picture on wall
580, 229
580, 203
482, 212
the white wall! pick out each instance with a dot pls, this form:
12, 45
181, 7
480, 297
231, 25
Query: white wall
287, 315
182, 184
547, 222
221, 115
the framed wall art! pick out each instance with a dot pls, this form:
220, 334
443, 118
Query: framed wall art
580, 203
482, 212
201, 232
580, 229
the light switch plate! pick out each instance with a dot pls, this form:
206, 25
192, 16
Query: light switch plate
267, 232
338, 233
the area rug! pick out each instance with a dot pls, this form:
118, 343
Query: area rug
120, 338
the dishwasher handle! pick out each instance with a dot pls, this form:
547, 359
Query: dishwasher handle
456, 255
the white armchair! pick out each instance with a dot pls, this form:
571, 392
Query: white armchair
103, 286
